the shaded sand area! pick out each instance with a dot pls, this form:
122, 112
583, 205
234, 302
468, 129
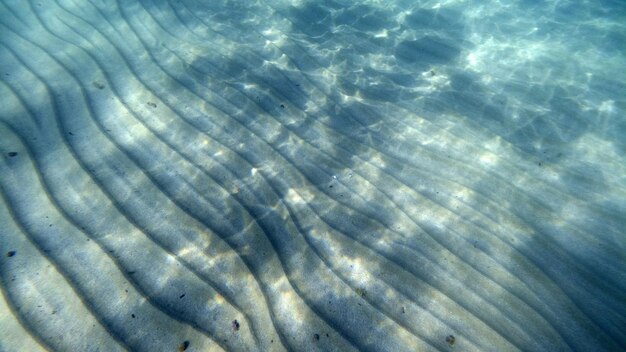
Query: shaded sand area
275, 175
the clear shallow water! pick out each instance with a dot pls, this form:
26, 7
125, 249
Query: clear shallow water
275, 175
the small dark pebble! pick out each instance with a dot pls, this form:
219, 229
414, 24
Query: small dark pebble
11, 253
316, 337
12, 154
183, 346
450, 340
235, 325
282, 106
132, 315
181, 296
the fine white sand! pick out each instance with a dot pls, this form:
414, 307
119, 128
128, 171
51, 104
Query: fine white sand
276, 175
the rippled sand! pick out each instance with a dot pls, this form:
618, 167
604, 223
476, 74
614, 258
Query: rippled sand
382, 176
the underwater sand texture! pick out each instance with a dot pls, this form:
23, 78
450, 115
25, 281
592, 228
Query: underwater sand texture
274, 175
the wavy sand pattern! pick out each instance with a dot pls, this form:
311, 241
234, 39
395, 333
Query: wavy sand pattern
274, 175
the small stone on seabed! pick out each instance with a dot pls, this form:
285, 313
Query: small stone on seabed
183, 346
450, 340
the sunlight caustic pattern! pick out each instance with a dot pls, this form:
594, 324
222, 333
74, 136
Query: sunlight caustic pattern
335, 176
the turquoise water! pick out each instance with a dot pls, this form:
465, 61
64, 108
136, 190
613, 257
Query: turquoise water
275, 175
